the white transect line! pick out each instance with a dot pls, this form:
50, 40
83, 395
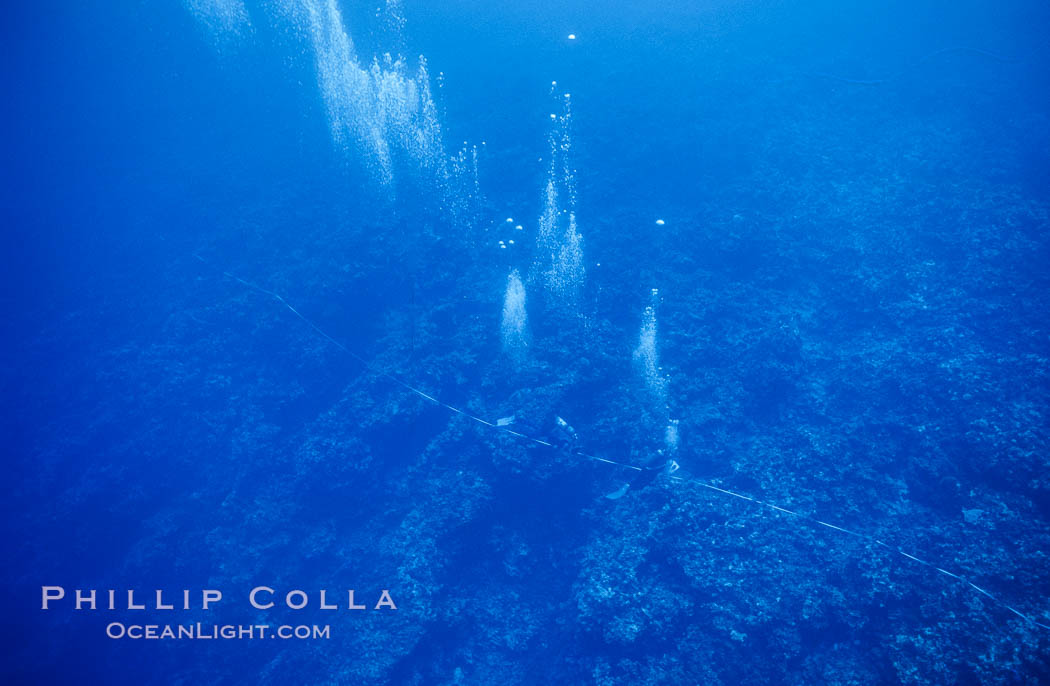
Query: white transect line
699, 482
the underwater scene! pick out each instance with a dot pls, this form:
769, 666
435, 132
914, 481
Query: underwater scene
526, 342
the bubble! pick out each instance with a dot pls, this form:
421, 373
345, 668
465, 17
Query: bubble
515, 321
381, 109
647, 355
671, 436
225, 18
660, 222
510, 220
572, 36
519, 227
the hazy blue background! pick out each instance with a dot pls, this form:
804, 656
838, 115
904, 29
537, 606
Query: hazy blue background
854, 321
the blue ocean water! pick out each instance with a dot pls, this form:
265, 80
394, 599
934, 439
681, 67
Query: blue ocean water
266, 297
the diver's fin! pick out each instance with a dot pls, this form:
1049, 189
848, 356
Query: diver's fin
619, 493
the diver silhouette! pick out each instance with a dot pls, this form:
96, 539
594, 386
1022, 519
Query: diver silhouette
567, 441
646, 475
565, 438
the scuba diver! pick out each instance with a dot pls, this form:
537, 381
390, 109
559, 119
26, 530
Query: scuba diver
646, 475
566, 440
